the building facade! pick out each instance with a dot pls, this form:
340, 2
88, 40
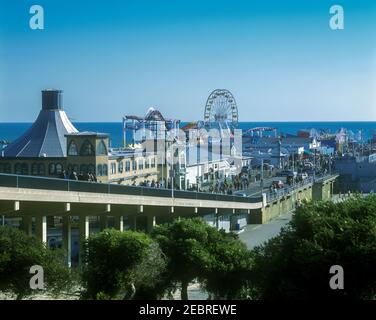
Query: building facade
53, 147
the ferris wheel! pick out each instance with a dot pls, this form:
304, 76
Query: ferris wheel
221, 107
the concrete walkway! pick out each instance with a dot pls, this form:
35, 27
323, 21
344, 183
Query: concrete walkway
256, 234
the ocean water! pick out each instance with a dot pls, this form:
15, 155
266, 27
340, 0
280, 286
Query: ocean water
10, 131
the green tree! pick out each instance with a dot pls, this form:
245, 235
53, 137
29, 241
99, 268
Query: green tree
18, 253
116, 264
230, 266
295, 264
149, 275
185, 243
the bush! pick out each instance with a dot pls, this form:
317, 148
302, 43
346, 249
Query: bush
295, 264
18, 252
119, 264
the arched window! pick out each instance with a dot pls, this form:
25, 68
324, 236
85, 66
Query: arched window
102, 150
140, 164
59, 168
134, 165
72, 150
87, 149
41, 169
113, 168
120, 167
17, 168
127, 166
83, 168
25, 168
105, 170
99, 170
34, 169
51, 168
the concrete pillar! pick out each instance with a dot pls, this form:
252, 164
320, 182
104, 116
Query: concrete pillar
16, 206
151, 222
103, 219
41, 228
26, 225
84, 227
83, 234
216, 215
119, 223
67, 238
332, 189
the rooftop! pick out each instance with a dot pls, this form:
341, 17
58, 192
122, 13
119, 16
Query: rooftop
46, 137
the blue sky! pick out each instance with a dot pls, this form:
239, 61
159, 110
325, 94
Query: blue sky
279, 58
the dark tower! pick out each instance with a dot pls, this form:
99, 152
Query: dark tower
52, 99
46, 137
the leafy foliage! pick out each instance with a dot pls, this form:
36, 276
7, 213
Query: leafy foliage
117, 263
18, 252
148, 275
196, 250
295, 265
185, 244
231, 262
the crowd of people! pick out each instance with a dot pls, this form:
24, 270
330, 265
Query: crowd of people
87, 176
230, 185
227, 186
159, 184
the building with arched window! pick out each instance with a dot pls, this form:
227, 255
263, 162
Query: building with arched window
123, 166
87, 154
54, 147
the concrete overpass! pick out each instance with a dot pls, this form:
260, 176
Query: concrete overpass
319, 189
34, 199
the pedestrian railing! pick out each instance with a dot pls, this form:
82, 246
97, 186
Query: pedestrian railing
44, 183
272, 196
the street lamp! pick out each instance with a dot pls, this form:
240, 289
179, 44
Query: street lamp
262, 176
314, 165
172, 183
330, 164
